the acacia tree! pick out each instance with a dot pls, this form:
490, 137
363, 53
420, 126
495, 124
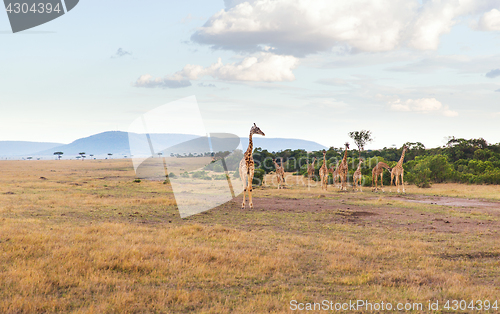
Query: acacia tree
82, 154
361, 138
58, 154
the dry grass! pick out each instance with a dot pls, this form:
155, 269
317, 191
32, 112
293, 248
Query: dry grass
87, 239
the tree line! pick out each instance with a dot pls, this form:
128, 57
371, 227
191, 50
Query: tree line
461, 160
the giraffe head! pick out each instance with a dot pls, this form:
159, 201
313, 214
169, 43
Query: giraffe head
346, 145
324, 152
255, 130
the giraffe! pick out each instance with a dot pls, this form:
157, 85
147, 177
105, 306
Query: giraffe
280, 172
379, 170
358, 176
335, 173
247, 167
323, 173
398, 170
343, 168
310, 170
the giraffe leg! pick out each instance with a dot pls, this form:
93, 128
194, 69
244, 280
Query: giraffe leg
250, 179
382, 181
397, 183
244, 179
403, 182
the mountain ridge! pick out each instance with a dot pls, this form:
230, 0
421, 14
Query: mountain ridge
117, 144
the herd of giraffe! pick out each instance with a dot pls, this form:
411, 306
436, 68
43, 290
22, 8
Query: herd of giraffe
247, 168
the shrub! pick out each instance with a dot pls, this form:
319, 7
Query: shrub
218, 168
201, 175
367, 180
421, 175
439, 167
258, 176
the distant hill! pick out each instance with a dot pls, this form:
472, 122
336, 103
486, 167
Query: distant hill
278, 144
111, 142
21, 148
117, 143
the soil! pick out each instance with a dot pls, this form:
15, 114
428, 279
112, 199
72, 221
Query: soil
453, 215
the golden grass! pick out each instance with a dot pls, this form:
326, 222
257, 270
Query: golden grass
87, 239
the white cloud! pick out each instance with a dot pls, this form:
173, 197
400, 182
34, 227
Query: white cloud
300, 27
265, 68
422, 105
490, 21
148, 81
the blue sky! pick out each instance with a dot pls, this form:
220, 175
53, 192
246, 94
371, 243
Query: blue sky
406, 70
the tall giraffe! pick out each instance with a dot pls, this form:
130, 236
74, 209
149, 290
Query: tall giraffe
379, 170
280, 172
343, 168
398, 170
247, 167
310, 170
357, 177
323, 173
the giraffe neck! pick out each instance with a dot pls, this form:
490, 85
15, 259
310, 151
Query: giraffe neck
345, 156
250, 145
400, 162
359, 166
324, 160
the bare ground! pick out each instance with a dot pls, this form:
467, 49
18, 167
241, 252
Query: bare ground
436, 214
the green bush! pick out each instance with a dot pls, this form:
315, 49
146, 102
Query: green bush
421, 175
439, 167
258, 176
218, 168
367, 180
201, 175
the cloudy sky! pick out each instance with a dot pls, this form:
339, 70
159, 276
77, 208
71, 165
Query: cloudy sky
405, 69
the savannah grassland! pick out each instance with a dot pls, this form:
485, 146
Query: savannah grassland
83, 237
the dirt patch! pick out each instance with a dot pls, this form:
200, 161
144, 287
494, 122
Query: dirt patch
385, 215
448, 201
